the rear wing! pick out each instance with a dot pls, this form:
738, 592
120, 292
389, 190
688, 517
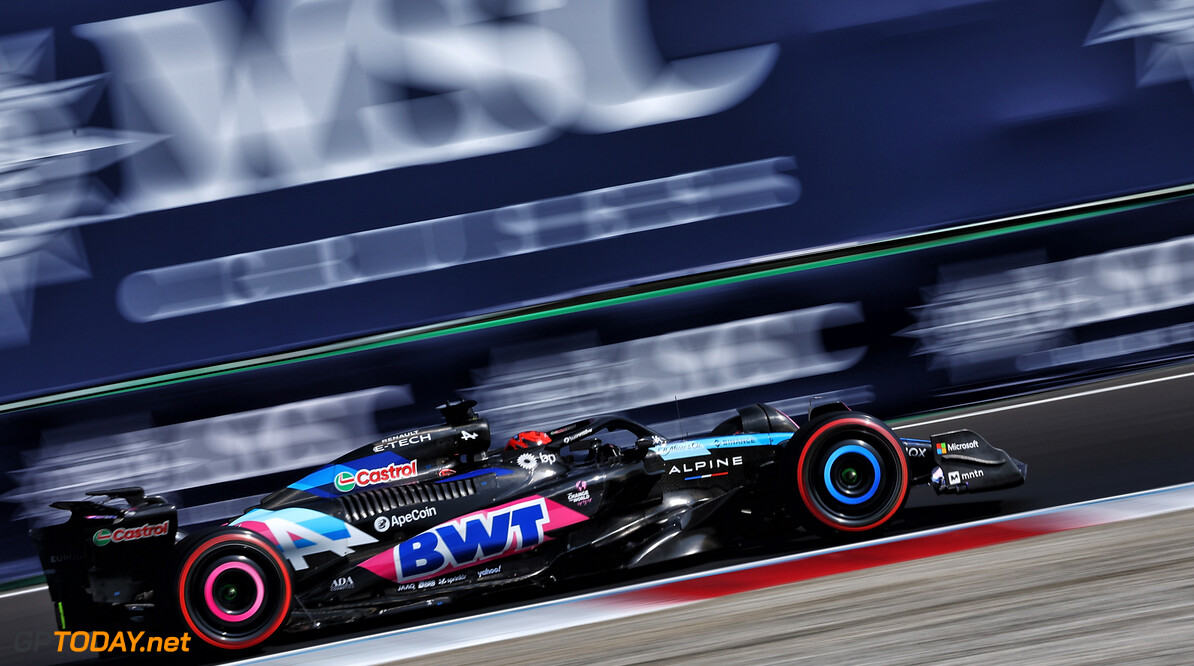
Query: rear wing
105, 553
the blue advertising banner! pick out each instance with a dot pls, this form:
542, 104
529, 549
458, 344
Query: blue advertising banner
183, 183
889, 332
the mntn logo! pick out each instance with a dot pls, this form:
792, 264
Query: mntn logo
469, 539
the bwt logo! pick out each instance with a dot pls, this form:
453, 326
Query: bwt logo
480, 536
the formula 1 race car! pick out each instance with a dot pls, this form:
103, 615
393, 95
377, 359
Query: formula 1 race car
431, 515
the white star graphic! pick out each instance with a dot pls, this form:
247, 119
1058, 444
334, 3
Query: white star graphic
47, 162
1165, 28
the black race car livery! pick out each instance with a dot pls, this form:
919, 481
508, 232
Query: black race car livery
431, 515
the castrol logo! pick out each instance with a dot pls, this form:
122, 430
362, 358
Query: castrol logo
346, 481
119, 535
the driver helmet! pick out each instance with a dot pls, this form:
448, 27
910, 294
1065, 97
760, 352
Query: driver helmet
527, 440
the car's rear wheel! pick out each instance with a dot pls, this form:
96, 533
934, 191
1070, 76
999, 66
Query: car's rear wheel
851, 474
233, 588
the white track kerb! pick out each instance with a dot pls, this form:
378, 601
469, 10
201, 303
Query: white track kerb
636, 599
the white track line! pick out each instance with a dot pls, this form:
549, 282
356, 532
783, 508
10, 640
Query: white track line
1042, 401
23, 590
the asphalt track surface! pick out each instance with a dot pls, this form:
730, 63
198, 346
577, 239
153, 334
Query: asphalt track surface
1096, 440
1088, 596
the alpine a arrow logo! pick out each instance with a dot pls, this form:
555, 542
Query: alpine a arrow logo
346, 481
301, 533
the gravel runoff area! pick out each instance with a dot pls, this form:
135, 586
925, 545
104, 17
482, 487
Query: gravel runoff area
1113, 594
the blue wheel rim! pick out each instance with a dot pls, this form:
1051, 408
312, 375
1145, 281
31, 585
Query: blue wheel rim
845, 499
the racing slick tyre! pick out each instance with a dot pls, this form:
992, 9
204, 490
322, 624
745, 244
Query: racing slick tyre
851, 475
233, 588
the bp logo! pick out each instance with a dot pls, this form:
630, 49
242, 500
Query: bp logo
102, 537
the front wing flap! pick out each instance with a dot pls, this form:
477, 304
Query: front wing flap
967, 463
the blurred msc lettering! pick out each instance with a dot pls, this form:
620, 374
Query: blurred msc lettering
310, 90
203, 452
233, 280
1120, 345
556, 387
975, 321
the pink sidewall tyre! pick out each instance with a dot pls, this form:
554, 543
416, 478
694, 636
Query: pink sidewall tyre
233, 589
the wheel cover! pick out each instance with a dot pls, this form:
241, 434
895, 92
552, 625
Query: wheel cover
225, 606
852, 475
849, 476
234, 591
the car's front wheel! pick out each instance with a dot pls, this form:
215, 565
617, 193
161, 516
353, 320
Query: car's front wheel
851, 476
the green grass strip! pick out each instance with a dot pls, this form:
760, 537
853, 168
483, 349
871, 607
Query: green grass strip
21, 583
